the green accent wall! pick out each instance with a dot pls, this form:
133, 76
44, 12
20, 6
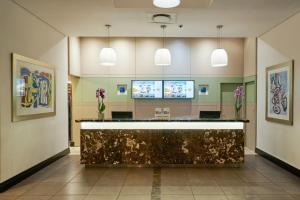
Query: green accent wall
249, 79
86, 87
250, 85
227, 92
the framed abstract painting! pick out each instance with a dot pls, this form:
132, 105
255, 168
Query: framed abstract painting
279, 93
33, 89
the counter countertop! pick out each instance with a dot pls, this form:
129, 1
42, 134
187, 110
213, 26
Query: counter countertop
164, 120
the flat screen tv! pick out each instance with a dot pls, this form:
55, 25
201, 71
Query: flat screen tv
147, 89
179, 89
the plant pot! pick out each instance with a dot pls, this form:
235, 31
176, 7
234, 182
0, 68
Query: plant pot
100, 116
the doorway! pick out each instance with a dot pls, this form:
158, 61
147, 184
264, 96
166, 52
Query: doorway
228, 100
70, 114
250, 114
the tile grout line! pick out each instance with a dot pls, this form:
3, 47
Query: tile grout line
156, 184
189, 184
86, 195
123, 185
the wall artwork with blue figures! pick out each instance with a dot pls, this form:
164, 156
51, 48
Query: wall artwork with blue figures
122, 89
37, 87
203, 90
279, 93
34, 89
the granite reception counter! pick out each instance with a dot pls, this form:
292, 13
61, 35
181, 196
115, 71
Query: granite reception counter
175, 142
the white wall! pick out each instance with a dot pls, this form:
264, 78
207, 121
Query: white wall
27, 143
279, 45
74, 56
250, 87
190, 56
250, 57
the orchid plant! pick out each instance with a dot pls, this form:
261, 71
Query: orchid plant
100, 95
238, 94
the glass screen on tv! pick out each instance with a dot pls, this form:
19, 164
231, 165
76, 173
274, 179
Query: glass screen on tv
147, 89
179, 89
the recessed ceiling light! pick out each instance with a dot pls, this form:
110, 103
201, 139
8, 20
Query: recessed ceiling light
166, 3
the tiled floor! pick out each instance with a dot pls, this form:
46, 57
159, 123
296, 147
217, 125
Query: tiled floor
66, 179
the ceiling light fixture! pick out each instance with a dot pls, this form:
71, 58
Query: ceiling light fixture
219, 57
166, 3
162, 56
108, 56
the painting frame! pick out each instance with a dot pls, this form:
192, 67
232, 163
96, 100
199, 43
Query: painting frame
15, 58
200, 87
290, 81
120, 87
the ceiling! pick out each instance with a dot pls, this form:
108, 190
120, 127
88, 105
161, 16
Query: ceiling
241, 18
149, 4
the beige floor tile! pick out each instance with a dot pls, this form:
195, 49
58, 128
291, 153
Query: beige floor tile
230, 183
84, 178
174, 182
5, 197
135, 197
291, 188
260, 197
236, 197
19, 189
234, 190
76, 189
68, 197
203, 190
210, 197
66, 179
252, 176
177, 197
45, 189
136, 190
139, 183
176, 190
274, 197
113, 181
264, 189
202, 182
101, 197
34, 197
105, 190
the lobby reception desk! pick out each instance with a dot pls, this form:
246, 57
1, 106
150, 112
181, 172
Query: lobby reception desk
151, 143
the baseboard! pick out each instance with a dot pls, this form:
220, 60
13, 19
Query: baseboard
278, 162
18, 178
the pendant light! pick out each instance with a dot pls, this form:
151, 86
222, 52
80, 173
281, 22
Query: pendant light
219, 57
166, 3
108, 56
162, 56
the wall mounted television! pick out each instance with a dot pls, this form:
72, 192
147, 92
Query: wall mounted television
179, 89
147, 89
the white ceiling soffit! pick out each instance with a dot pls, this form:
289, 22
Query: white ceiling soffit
149, 3
241, 18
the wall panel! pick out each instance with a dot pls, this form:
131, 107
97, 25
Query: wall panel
27, 143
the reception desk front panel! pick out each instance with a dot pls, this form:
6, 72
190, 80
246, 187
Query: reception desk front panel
162, 143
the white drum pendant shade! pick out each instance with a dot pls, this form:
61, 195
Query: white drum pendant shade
166, 3
219, 58
108, 57
162, 57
